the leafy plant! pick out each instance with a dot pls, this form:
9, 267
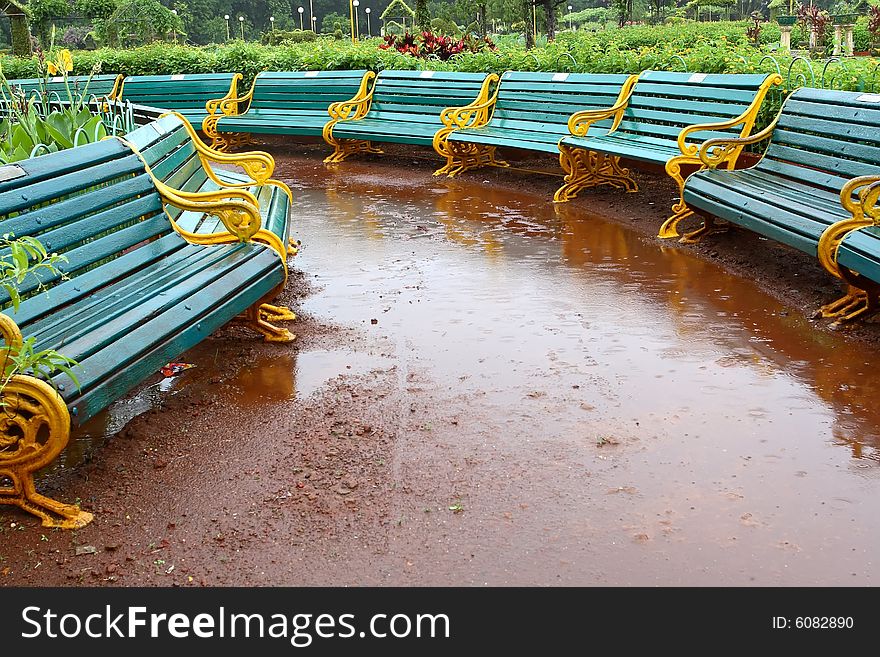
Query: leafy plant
35, 125
754, 31
430, 45
22, 258
817, 21
874, 23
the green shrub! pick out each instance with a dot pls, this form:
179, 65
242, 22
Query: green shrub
280, 37
710, 48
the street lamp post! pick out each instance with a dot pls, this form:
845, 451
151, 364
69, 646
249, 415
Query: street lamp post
174, 29
569, 18
226, 16
272, 22
315, 24
369, 31
300, 10
241, 24
312, 20
534, 19
357, 27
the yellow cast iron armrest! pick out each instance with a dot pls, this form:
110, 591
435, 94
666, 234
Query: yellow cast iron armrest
213, 106
258, 165
868, 190
718, 150
579, 123
116, 91
747, 118
238, 209
10, 333
230, 106
865, 212
354, 108
359, 103
479, 110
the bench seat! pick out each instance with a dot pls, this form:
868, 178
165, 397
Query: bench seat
403, 107
815, 188
661, 121
283, 103
529, 111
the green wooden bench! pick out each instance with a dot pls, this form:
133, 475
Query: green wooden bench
100, 86
187, 94
283, 103
136, 293
662, 122
824, 148
529, 111
177, 157
403, 107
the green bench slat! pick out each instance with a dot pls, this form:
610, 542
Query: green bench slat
860, 252
214, 305
83, 327
822, 140
100, 85
293, 103
532, 110
176, 92
39, 307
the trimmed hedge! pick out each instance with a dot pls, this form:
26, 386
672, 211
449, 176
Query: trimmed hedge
704, 47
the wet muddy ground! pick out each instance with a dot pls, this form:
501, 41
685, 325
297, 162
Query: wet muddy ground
490, 390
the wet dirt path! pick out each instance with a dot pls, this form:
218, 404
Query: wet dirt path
488, 390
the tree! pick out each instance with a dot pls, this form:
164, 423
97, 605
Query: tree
526, 15
423, 16
551, 8
42, 12
624, 11
334, 21
658, 9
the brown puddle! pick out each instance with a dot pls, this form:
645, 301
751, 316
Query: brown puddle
729, 440
635, 413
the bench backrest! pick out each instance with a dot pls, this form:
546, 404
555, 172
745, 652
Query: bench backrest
178, 92
418, 95
663, 104
304, 90
546, 100
171, 155
100, 86
825, 138
93, 204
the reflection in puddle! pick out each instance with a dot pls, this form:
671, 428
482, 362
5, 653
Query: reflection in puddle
731, 424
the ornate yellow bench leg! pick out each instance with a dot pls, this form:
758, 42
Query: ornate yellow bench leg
464, 157
259, 320
344, 148
34, 429
609, 172
709, 227
580, 169
680, 210
854, 303
272, 313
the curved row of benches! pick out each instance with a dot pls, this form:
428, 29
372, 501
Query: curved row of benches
186, 93
816, 188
